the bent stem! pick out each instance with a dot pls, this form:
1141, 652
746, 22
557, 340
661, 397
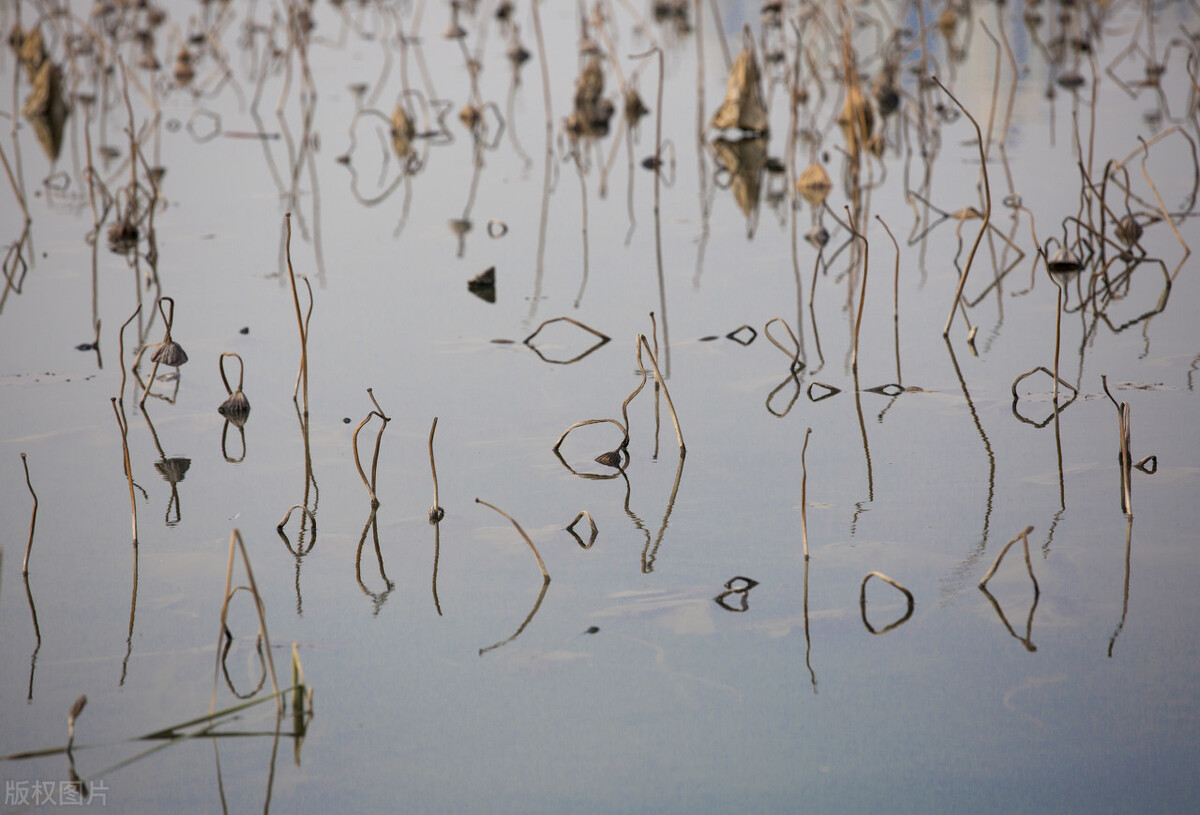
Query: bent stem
378, 411
301, 322
32, 519
987, 212
643, 343
804, 492
123, 425
541, 564
436, 513
1022, 536
235, 541
862, 296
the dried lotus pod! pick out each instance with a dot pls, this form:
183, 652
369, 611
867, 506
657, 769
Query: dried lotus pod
591, 111
483, 280
1128, 230
46, 108
170, 353
743, 108
184, 72
1064, 261
814, 184
237, 405
469, 116
403, 132
610, 459
857, 120
634, 107
32, 51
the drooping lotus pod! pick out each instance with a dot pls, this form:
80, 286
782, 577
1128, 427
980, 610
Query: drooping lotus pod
743, 108
814, 184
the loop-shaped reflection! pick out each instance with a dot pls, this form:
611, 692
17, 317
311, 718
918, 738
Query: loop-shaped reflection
862, 603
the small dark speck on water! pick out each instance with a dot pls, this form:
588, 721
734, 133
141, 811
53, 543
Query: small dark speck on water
502, 342
594, 629
86, 346
244, 330
346, 420
709, 338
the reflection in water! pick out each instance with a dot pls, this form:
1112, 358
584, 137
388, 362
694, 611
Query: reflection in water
862, 603
173, 470
1027, 640
377, 598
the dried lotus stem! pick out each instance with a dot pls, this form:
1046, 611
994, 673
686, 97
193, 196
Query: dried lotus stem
1022, 536
32, 519
378, 411
123, 425
235, 539
302, 323
642, 342
517, 526
305, 511
571, 528
794, 354
436, 513
862, 601
168, 351
987, 214
804, 492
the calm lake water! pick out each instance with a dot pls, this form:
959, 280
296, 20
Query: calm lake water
691, 658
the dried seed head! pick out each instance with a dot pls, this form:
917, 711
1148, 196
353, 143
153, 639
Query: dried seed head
1128, 230
743, 107
169, 353
403, 132
818, 236
634, 107
1064, 261
814, 184
436, 514
184, 72
610, 459
469, 116
122, 236
237, 405
173, 470
484, 280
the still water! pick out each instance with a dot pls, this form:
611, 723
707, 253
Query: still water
689, 657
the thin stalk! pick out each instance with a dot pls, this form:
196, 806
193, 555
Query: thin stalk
862, 296
123, 425
642, 342
301, 323
436, 513
32, 519
1022, 536
235, 540
987, 213
517, 526
804, 493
